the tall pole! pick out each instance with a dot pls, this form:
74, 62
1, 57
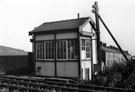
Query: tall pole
97, 30
95, 6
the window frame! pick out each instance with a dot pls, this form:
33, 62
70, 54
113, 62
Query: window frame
44, 49
53, 48
90, 50
60, 50
67, 50
75, 45
84, 47
38, 50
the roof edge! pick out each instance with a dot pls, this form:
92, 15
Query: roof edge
85, 23
36, 28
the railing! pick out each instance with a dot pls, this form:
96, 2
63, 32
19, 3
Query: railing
30, 84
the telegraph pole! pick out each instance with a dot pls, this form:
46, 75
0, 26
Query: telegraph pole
97, 17
95, 10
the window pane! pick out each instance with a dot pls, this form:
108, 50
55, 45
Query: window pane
88, 52
49, 50
61, 49
88, 49
88, 55
88, 42
83, 44
37, 50
67, 49
72, 49
40, 50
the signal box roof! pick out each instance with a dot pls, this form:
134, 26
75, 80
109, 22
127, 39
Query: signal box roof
60, 25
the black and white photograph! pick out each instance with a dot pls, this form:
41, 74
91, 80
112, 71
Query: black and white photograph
67, 46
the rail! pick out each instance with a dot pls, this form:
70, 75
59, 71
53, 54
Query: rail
30, 84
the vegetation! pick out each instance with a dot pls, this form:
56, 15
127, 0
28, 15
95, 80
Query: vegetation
118, 75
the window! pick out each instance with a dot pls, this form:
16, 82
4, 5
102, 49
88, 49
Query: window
83, 44
40, 50
67, 49
72, 49
49, 50
61, 49
45, 50
86, 48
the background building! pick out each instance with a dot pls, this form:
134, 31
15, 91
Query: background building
111, 55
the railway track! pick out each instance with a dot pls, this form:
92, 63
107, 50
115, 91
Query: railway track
38, 84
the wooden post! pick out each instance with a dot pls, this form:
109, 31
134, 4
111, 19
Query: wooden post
97, 33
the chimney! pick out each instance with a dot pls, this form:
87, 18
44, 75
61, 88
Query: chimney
111, 47
104, 44
101, 43
78, 15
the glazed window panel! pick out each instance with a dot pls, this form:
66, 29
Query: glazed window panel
72, 49
49, 50
40, 50
83, 44
86, 47
67, 49
45, 50
61, 49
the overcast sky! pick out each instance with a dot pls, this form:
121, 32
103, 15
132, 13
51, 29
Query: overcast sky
18, 17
